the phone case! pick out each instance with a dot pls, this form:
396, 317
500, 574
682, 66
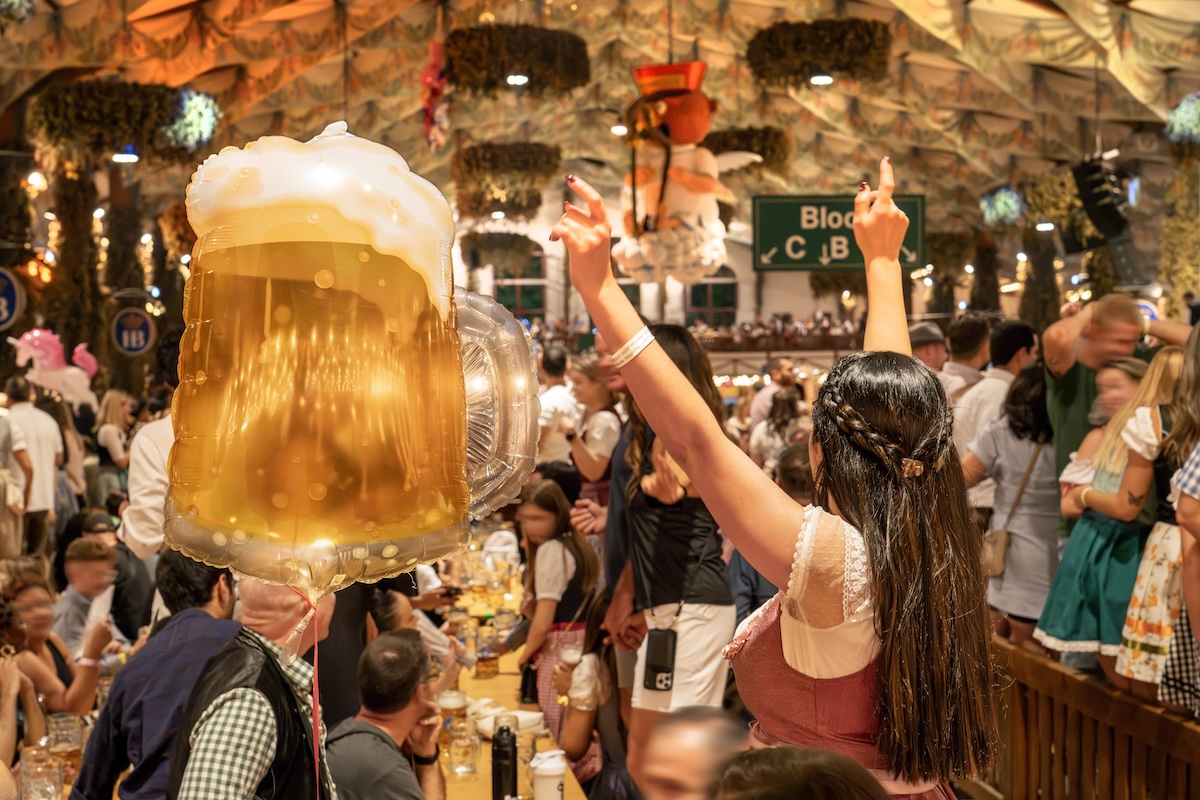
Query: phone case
660, 660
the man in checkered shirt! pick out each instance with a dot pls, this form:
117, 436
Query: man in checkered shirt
248, 727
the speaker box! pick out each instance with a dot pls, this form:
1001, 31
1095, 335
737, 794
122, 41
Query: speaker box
1102, 199
1126, 259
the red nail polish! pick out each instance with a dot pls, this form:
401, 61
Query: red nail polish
570, 179
566, 205
888, 159
862, 187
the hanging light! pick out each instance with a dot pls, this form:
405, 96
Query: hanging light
618, 130
1045, 226
821, 80
37, 181
147, 238
497, 215
517, 79
185, 259
969, 269
1022, 257
98, 213
126, 155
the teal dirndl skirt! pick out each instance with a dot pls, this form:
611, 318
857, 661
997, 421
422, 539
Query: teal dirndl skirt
1089, 597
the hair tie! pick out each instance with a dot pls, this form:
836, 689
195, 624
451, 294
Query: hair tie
911, 468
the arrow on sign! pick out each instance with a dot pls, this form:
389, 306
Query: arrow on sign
909, 255
824, 259
767, 256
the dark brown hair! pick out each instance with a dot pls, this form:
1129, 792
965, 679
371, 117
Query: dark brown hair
888, 461
786, 773
689, 357
549, 496
1185, 406
390, 669
90, 550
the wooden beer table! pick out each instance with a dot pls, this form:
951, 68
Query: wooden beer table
505, 689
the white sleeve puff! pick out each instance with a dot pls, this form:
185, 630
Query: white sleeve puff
1139, 434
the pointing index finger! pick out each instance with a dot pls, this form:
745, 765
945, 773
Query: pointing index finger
887, 180
589, 195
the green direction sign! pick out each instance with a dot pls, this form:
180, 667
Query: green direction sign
816, 232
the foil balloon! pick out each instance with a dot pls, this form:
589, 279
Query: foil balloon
51, 371
343, 411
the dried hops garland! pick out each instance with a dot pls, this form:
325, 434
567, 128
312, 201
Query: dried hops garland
481, 59
509, 254
770, 143
80, 124
790, 53
503, 177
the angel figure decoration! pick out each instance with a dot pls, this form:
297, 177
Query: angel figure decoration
671, 222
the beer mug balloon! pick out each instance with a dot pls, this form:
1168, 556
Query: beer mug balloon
343, 410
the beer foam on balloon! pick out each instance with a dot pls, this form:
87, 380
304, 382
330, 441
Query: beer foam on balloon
345, 188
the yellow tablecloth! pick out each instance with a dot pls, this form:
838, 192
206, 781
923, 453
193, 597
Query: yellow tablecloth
505, 689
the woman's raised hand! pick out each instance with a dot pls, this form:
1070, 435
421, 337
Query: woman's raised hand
587, 237
879, 224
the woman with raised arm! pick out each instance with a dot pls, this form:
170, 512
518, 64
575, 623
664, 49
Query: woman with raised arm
880, 646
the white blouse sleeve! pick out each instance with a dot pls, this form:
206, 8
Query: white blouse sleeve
1139, 434
1078, 473
590, 684
554, 568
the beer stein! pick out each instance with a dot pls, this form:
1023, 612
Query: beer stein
343, 410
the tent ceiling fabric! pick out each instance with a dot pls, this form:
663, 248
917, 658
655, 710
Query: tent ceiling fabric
979, 92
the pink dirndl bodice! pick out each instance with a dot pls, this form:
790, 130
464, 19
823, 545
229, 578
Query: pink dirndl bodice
791, 708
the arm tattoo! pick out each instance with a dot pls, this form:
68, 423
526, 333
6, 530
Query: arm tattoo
1136, 500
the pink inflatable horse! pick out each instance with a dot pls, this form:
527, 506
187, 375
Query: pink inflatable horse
51, 371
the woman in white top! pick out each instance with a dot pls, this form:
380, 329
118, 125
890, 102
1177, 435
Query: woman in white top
595, 437
886, 574
112, 432
560, 575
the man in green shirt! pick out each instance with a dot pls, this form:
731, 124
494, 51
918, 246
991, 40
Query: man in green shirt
1079, 344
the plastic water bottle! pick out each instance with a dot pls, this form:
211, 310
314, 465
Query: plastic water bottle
549, 771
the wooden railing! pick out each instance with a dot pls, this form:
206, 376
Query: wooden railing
1069, 736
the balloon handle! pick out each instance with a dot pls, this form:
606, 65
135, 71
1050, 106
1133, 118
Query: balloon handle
292, 646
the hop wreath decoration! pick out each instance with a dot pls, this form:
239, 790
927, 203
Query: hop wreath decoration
79, 125
481, 59
503, 177
790, 53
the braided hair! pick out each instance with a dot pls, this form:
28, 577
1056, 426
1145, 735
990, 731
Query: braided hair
888, 465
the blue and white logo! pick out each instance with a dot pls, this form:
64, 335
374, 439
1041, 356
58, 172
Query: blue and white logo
12, 299
133, 331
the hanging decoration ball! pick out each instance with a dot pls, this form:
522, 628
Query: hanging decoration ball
791, 54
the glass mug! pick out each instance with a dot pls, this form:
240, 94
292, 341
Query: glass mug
65, 732
464, 747
453, 706
342, 408
41, 775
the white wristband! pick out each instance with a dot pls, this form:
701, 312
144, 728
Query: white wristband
631, 349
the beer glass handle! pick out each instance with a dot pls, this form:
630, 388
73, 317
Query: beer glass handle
502, 405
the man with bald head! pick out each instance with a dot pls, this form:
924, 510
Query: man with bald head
247, 730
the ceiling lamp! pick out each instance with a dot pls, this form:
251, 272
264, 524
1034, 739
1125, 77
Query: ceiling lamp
497, 215
1045, 227
126, 155
485, 58
821, 80
618, 130
517, 80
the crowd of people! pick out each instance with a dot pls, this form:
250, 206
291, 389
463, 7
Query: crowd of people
797, 598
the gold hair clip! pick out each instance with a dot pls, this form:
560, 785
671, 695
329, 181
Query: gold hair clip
911, 468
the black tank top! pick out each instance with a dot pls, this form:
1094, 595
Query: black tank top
1163, 470
61, 667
